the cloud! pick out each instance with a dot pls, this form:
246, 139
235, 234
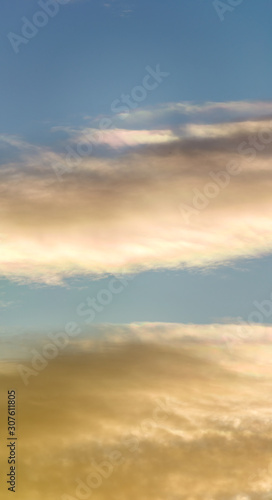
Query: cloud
5, 303
176, 113
151, 199
121, 8
183, 418
119, 138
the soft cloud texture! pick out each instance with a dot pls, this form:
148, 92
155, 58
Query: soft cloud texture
182, 112
138, 209
188, 420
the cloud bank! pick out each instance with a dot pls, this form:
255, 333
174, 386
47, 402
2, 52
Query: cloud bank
181, 418
192, 195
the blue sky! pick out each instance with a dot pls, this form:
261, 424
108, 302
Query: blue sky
88, 55
67, 77
221, 295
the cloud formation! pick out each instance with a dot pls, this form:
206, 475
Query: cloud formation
185, 420
195, 195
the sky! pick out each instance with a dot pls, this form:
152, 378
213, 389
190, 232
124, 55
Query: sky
68, 80
135, 200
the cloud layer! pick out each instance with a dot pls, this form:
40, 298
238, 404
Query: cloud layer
183, 419
196, 194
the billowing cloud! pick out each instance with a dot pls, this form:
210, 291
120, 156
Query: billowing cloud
191, 196
176, 417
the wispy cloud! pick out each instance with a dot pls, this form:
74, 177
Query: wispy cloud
121, 8
184, 112
5, 303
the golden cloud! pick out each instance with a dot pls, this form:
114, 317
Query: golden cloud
143, 419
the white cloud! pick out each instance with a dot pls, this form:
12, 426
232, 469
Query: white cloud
141, 210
